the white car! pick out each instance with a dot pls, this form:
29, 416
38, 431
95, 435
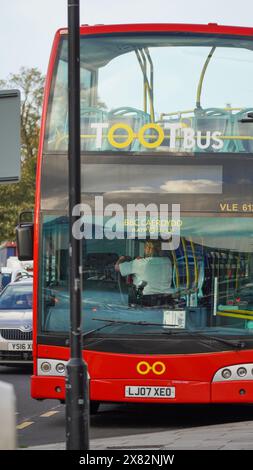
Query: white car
16, 322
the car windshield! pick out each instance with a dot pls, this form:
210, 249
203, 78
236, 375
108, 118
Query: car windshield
16, 297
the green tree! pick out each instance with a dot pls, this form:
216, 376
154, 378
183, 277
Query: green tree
18, 197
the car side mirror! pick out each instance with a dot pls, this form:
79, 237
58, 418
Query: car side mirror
24, 237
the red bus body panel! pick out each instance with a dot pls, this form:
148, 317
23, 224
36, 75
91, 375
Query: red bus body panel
110, 372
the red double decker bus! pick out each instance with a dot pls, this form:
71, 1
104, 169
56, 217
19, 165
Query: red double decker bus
166, 121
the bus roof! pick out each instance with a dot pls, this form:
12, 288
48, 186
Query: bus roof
210, 28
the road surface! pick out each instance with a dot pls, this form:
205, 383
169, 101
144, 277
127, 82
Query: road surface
44, 422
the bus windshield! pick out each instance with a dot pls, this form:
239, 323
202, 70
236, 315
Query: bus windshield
157, 93
205, 284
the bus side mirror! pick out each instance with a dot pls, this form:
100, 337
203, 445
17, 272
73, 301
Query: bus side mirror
24, 236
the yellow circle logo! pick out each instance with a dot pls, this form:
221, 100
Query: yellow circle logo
129, 135
158, 368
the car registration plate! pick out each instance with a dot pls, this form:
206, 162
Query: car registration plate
149, 392
25, 346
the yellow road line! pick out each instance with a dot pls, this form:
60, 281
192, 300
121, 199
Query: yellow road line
24, 425
48, 414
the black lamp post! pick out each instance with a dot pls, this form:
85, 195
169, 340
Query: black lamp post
77, 385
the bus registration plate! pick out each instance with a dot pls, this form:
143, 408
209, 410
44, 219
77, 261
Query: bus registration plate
149, 392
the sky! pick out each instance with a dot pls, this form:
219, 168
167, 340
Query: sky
27, 27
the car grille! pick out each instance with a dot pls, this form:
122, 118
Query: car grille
16, 335
15, 356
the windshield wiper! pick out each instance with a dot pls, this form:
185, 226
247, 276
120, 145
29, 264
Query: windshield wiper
205, 336
123, 322
236, 345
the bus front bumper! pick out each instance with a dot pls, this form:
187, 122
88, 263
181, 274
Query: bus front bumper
125, 390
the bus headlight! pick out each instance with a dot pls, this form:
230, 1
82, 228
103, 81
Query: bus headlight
234, 372
241, 371
45, 367
51, 367
60, 368
226, 373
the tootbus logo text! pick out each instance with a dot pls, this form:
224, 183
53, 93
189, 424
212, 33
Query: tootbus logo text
158, 368
153, 135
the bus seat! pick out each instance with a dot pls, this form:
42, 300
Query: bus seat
135, 118
214, 120
91, 115
244, 130
183, 121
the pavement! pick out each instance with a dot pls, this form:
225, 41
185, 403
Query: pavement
229, 436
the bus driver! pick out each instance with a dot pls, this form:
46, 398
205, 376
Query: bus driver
151, 274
